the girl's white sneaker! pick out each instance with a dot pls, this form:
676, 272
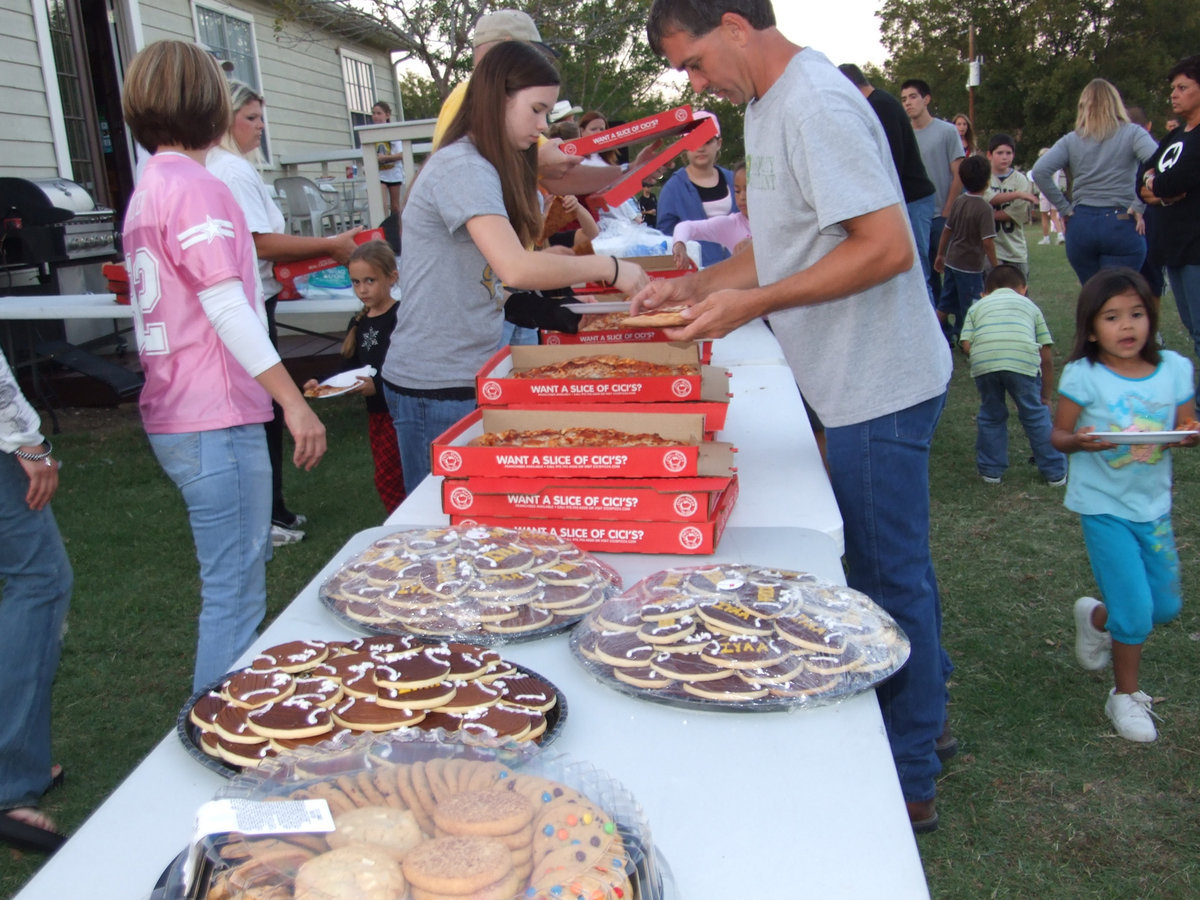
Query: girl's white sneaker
1130, 715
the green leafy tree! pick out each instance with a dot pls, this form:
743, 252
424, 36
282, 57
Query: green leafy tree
1037, 56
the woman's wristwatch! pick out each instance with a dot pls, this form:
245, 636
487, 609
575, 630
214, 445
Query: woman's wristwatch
38, 456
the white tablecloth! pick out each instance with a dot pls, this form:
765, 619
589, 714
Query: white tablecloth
740, 804
104, 306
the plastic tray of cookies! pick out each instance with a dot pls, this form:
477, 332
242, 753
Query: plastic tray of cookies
477, 583
739, 637
434, 817
310, 692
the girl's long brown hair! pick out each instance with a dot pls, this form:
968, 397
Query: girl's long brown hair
1098, 290
506, 69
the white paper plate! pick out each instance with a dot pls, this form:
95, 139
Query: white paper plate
345, 381
604, 306
1144, 437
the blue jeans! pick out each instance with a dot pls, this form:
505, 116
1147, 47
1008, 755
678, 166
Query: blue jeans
934, 280
418, 421
1185, 285
1102, 237
959, 290
920, 217
225, 478
1137, 570
36, 578
991, 437
880, 474
515, 335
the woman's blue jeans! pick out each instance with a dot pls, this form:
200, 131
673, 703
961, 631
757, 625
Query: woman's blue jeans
1103, 237
418, 421
225, 478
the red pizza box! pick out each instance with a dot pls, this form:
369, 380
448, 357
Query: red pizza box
714, 412
654, 266
496, 386
629, 537
651, 128
610, 499
453, 457
619, 336
701, 132
287, 273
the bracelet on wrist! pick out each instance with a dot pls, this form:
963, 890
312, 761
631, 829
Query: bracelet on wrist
35, 457
616, 271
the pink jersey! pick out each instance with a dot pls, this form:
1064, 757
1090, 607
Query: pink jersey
185, 233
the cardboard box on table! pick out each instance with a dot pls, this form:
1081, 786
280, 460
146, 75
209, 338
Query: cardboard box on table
628, 536
495, 384
451, 455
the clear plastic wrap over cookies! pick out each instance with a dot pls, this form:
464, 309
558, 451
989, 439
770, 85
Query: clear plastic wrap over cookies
309, 692
422, 817
739, 637
475, 583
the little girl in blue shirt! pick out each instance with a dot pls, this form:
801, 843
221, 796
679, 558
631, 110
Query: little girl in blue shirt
1115, 381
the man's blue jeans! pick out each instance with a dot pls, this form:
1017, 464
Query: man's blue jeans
880, 474
35, 581
991, 436
418, 421
920, 217
225, 478
1102, 237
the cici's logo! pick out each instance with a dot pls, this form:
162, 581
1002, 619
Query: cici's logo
450, 460
551, 339
691, 538
461, 498
681, 115
675, 460
491, 390
686, 505
681, 387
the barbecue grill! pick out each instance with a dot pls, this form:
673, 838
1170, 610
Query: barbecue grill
48, 222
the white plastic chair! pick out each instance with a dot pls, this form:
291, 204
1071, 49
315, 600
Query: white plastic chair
306, 206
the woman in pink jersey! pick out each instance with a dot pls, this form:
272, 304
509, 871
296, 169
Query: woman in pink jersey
210, 369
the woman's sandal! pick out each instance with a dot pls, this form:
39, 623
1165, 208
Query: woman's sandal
31, 830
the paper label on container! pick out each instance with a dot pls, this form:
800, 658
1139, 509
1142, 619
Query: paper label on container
255, 817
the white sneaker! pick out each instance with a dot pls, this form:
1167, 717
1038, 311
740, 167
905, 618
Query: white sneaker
1130, 715
1062, 238
1093, 647
1045, 241
281, 535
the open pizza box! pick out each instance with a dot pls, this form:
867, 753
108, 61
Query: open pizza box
452, 455
658, 266
610, 499
699, 537
496, 386
677, 121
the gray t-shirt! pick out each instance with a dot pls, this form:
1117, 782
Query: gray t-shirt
450, 318
817, 156
940, 145
1103, 173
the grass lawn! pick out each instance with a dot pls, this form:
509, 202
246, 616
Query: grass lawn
1043, 799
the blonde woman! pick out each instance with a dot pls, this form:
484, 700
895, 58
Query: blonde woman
1102, 154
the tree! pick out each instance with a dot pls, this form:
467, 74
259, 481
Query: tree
1038, 55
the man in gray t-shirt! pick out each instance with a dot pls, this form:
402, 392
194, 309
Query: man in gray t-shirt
833, 266
941, 151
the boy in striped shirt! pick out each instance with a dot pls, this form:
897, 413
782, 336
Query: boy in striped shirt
1006, 337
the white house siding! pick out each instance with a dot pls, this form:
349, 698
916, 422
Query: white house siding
302, 82
26, 144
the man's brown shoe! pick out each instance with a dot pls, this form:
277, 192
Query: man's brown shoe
922, 815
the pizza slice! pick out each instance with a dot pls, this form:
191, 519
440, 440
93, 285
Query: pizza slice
557, 218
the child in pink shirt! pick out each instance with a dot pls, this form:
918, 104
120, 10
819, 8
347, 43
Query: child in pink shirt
200, 324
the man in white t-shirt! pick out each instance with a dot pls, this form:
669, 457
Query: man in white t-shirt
941, 151
834, 267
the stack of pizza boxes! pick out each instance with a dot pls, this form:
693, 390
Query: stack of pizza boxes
601, 495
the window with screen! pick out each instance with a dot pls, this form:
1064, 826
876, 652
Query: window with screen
359, 77
230, 39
